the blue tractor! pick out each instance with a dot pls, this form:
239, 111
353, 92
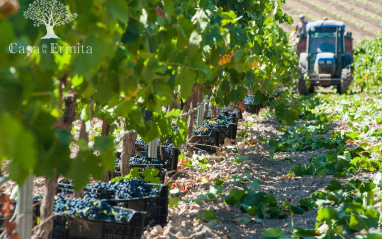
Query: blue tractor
325, 54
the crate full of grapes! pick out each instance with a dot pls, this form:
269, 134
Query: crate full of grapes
151, 198
250, 106
205, 137
89, 218
141, 163
166, 152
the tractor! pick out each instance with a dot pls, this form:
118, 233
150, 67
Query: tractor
325, 56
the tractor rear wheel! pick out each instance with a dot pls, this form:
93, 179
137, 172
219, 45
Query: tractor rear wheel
343, 87
301, 87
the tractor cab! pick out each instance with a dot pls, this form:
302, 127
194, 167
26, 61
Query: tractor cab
325, 56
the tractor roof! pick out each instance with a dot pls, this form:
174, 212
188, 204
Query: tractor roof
325, 24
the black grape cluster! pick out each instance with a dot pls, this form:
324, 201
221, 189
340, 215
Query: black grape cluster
122, 216
167, 148
127, 188
132, 188
221, 122
147, 115
234, 111
201, 152
99, 185
37, 198
144, 146
249, 100
139, 159
231, 114
66, 191
206, 129
88, 208
117, 166
175, 128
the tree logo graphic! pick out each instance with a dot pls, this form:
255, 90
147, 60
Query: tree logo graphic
51, 13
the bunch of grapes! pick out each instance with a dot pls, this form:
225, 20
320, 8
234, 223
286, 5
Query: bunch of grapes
117, 165
137, 159
221, 122
37, 198
126, 188
144, 146
249, 100
88, 208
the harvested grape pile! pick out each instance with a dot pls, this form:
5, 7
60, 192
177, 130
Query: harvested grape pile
318, 177
88, 208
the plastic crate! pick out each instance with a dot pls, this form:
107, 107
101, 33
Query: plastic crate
230, 132
101, 193
171, 160
114, 174
69, 227
253, 109
235, 115
205, 142
155, 206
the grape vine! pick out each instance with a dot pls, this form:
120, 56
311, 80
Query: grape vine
143, 53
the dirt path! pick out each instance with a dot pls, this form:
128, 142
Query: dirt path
231, 222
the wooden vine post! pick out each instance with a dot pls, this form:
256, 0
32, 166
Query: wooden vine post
153, 149
191, 103
25, 209
200, 115
200, 105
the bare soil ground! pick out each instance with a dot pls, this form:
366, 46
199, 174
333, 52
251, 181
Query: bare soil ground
182, 219
362, 18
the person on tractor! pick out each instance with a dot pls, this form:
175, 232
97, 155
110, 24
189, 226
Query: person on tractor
301, 26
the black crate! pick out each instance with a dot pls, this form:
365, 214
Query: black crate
235, 116
155, 206
69, 227
171, 160
65, 188
114, 174
101, 193
253, 109
230, 132
205, 142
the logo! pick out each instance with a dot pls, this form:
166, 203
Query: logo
50, 13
